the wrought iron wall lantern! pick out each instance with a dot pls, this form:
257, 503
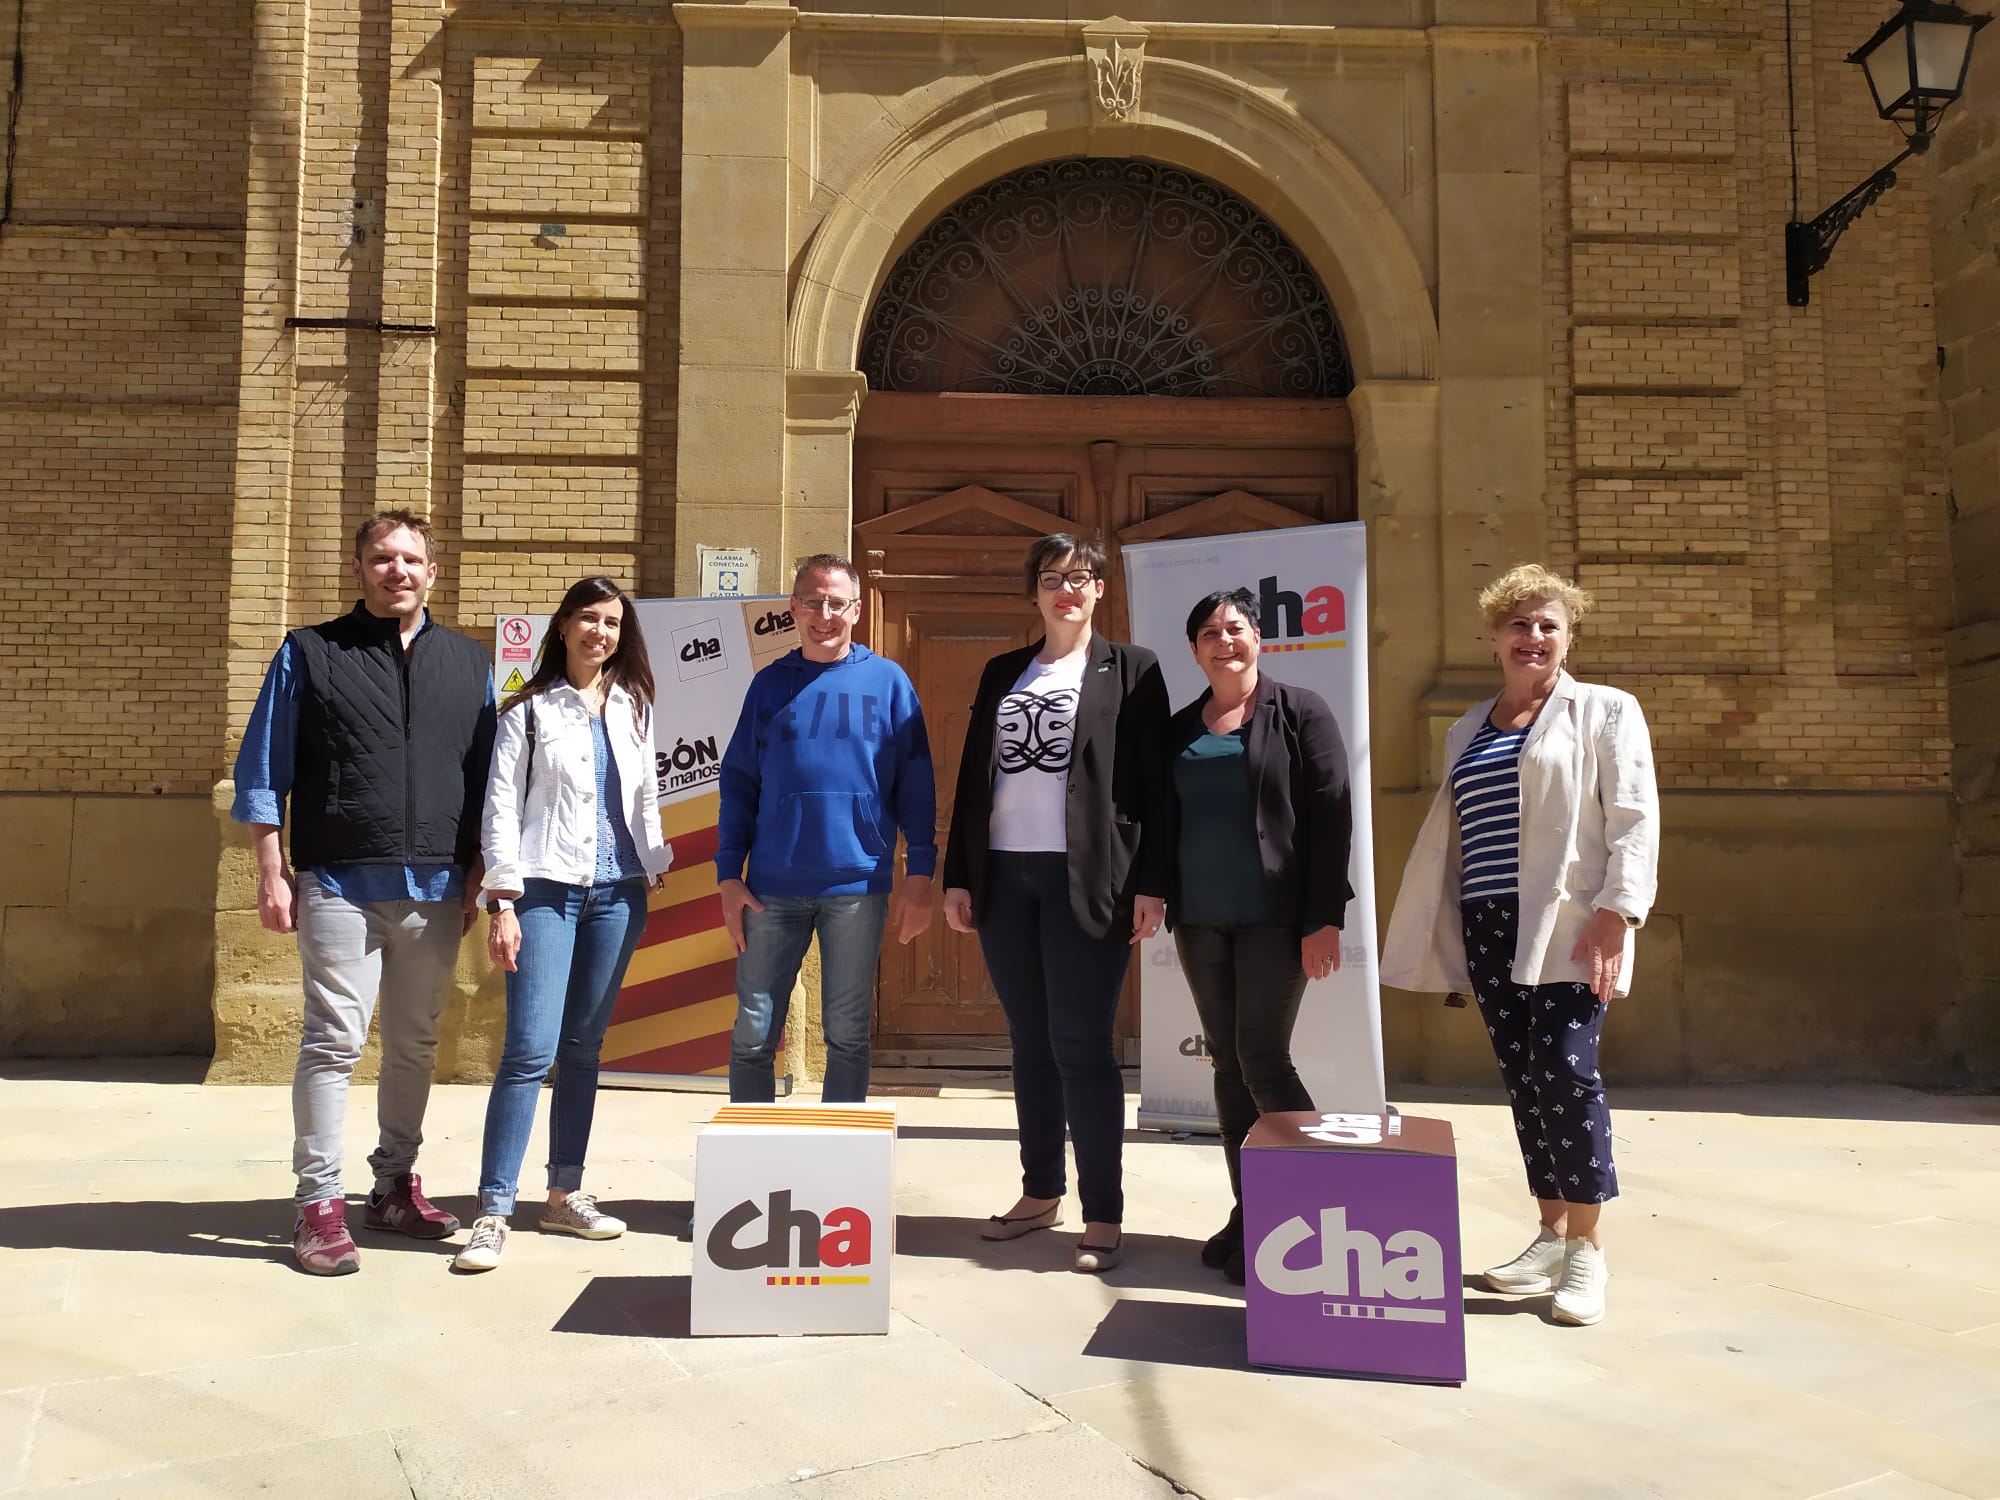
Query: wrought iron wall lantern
1916, 65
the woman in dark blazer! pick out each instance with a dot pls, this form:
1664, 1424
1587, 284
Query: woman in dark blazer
1059, 859
1265, 825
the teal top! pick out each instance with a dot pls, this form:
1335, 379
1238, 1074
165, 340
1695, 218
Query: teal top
1222, 874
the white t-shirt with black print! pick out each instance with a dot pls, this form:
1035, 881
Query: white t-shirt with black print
1035, 734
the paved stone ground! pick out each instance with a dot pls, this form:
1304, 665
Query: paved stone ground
1805, 1301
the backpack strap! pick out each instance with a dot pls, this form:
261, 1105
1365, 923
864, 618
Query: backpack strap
528, 777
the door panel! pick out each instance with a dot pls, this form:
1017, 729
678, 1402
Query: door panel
938, 982
950, 491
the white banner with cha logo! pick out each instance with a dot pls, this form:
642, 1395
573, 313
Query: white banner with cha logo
1311, 583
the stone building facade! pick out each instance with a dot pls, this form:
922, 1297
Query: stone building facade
594, 282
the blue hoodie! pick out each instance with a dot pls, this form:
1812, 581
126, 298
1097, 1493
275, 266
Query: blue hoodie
827, 761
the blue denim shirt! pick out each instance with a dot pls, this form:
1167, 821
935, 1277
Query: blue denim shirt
265, 764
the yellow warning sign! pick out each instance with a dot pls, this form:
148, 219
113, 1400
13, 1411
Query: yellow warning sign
514, 683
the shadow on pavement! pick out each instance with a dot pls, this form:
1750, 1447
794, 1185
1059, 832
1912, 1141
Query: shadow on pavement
246, 1229
673, 1219
167, 1070
644, 1307
1003, 1133
1486, 1303
1206, 1335
1768, 1099
1165, 1261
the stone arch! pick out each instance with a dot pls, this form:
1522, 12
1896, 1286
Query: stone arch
1190, 116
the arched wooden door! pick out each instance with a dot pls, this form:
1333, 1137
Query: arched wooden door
1114, 348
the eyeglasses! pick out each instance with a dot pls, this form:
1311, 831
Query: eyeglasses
824, 606
1080, 579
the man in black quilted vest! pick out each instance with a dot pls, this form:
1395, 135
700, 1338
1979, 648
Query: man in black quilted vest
376, 728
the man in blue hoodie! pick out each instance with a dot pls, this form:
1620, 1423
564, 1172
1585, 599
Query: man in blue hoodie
828, 760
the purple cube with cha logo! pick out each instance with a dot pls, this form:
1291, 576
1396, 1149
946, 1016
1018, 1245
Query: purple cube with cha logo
1351, 1254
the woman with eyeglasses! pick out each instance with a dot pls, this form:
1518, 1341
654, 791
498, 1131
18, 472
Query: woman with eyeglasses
1058, 858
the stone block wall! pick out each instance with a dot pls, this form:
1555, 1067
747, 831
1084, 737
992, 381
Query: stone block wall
121, 271
1966, 225
460, 288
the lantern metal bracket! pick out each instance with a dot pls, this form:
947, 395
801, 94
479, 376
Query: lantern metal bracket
1808, 247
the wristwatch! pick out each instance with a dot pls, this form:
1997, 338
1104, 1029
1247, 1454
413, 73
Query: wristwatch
1629, 921
497, 904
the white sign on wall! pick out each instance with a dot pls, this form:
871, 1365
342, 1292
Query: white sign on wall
517, 645
795, 1219
728, 572
1312, 588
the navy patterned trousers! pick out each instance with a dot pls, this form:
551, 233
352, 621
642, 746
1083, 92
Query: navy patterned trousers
1545, 1037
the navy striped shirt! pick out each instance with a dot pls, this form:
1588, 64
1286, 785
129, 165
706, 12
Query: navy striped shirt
1486, 788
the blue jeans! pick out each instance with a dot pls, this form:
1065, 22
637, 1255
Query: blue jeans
576, 941
775, 941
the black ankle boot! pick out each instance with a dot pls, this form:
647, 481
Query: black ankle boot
1215, 1254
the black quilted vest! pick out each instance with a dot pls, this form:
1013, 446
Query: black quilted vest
393, 745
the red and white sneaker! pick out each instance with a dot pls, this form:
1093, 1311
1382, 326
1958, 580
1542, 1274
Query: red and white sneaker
320, 1241
405, 1210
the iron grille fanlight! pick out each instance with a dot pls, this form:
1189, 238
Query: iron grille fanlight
1096, 277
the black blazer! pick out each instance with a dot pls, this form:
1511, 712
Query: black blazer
1305, 806
1120, 797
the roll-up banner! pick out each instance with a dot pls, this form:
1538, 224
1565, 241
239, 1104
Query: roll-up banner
670, 1028
1312, 589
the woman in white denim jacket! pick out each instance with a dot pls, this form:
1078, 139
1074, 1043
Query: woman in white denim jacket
571, 837
1535, 866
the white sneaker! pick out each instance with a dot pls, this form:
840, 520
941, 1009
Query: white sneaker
1580, 1298
482, 1251
578, 1214
1533, 1270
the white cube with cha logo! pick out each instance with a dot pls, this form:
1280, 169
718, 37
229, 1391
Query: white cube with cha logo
794, 1219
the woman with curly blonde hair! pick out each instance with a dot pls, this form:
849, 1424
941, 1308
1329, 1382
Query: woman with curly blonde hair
1538, 860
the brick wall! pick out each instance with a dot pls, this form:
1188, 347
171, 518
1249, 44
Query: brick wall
571, 349
488, 251
121, 270
120, 282
1753, 491
541, 412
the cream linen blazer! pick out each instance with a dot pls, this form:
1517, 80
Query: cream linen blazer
1590, 839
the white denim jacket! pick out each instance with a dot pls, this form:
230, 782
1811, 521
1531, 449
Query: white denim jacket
542, 824
1590, 840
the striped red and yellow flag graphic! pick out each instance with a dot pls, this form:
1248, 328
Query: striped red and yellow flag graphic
806, 1116
678, 1004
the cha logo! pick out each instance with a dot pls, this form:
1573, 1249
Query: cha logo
698, 649
774, 622
1346, 1130
1352, 1263
1197, 1047
1290, 621
793, 1238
